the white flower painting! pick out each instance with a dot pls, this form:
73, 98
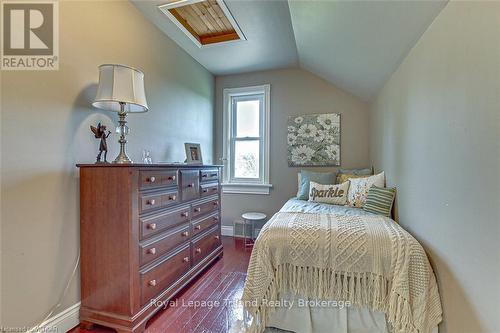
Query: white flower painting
302, 154
307, 131
314, 140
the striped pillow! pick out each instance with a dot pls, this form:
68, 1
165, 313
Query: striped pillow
379, 200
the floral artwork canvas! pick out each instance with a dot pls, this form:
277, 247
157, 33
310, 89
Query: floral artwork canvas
314, 140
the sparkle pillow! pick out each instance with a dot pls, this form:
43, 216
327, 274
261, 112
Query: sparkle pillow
305, 177
330, 194
358, 190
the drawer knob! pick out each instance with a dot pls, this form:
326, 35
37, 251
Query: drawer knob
216, 203
198, 227
198, 250
185, 214
216, 218
151, 202
171, 178
152, 251
205, 190
204, 175
172, 197
185, 234
152, 283
197, 209
213, 175
185, 259
152, 179
217, 237
152, 226
191, 185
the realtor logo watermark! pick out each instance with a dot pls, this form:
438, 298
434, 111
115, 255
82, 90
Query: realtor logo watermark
30, 35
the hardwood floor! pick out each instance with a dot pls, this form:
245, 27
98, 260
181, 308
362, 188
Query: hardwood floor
222, 282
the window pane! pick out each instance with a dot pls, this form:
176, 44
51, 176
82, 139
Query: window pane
246, 159
247, 118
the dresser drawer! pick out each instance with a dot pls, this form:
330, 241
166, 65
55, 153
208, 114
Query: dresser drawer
204, 223
156, 223
151, 201
161, 276
190, 185
205, 207
209, 175
151, 179
209, 189
158, 246
205, 245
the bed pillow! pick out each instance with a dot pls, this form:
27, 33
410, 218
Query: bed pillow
362, 171
359, 188
379, 200
353, 172
309, 176
344, 177
330, 194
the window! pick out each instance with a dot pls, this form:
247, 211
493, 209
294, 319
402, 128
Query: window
246, 140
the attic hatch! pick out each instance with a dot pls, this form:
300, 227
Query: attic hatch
205, 22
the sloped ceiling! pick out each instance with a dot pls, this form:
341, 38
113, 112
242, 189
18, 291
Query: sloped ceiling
356, 45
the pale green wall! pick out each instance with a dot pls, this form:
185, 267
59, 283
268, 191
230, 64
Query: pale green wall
293, 92
435, 131
45, 131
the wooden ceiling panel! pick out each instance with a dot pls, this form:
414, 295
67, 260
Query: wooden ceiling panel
205, 22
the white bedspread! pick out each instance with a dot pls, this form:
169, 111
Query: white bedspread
404, 283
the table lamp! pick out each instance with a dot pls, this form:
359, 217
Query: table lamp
121, 89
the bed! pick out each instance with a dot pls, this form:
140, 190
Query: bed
325, 268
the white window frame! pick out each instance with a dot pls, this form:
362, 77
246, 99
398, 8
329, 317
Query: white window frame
238, 185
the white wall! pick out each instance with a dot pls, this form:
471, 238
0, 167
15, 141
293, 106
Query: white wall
435, 131
45, 130
293, 92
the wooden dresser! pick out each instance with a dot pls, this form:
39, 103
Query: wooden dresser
145, 232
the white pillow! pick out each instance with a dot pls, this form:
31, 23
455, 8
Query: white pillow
331, 194
358, 191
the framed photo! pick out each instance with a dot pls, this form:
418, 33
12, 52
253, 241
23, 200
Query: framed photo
193, 153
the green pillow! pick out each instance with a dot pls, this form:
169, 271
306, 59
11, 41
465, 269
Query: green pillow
379, 200
323, 178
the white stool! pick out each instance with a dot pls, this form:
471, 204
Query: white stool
251, 217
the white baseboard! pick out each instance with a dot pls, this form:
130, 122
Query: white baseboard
69, 318
61, 322
227, 230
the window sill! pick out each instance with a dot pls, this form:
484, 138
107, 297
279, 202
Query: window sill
243, 188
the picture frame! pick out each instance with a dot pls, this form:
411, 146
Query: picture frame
314, 140
193, 153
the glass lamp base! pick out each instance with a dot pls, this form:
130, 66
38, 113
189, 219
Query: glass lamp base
122, 157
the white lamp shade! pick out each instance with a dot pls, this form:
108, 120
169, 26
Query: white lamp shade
119, 83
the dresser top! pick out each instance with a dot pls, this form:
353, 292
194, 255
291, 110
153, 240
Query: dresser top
140, 165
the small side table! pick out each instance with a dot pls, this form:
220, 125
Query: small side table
251, 218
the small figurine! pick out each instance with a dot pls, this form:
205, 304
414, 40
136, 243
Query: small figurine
100, 133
